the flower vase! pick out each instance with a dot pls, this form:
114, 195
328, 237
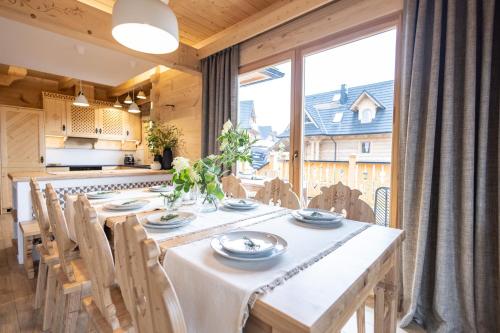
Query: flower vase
209, 204
167, 158
191, 197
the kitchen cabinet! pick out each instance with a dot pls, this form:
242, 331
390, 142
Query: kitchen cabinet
82, 122
55, 110
111, 123
100, 120
133, 126
22, 145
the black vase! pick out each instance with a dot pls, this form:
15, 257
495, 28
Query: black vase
168, 158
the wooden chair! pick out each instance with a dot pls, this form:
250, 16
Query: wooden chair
342, 199
105, 308
49, 256
148, 293
71, 275
278, 192
233, 188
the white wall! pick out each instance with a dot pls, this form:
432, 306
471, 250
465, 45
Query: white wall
89, 156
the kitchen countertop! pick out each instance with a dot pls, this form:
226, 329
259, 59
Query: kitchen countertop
42, 175
141, 166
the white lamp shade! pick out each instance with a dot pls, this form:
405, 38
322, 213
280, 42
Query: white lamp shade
141, 95
148, 26
81, 100
117, 104
128, 100
133, 108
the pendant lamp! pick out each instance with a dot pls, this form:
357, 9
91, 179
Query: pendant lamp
117, 104
81, 100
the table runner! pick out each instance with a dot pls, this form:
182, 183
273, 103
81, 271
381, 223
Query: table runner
202, 222
216, 294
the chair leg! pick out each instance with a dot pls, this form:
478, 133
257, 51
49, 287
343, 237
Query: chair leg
71, 312
360, 316
41, 284
50, 296
58, 314
28, 257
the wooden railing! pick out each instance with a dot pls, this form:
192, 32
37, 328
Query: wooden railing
364, 176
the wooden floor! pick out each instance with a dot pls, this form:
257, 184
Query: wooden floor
17, 292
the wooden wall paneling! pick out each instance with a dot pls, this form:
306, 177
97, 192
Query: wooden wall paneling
27, 92
336, 17
184, 92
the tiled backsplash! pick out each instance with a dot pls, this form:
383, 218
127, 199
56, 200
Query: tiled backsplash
90, 156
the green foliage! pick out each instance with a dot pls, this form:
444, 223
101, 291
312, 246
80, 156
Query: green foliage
235, 145
161, 137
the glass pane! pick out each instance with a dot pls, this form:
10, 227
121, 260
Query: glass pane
264, 110
348, 111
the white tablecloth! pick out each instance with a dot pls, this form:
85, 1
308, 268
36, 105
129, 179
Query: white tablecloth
216, 293
203, 221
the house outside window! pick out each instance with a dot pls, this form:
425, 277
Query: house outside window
366, 147
367, 115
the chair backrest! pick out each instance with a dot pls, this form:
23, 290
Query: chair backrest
233, 188
278, 192
65, 245
40, 210
341, 198
69, 215
146, 289
96, 253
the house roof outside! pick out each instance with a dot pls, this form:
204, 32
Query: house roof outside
322, 123
246, 114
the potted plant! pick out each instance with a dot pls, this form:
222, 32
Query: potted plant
162, 139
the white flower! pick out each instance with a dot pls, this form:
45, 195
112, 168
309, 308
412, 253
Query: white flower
180, 163
227, 126
223, 145
195, 177
212, 157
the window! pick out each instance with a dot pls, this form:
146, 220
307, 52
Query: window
264, 111
365, 147
366, 115
337, 117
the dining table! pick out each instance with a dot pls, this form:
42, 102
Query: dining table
322, 279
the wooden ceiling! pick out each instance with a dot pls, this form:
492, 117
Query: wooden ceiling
200, 19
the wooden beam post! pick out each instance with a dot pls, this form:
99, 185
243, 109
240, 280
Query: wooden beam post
13, 74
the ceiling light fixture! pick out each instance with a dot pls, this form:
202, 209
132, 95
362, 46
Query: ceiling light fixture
128, 100
133, 108
117, 104
141, 95
148, 26
81, 100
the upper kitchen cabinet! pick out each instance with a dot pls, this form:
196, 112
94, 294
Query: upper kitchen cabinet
55, 114
111, 124
82, 122
133, 126
22, 137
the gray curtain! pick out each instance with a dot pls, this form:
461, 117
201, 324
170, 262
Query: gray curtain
449, 157
220, 95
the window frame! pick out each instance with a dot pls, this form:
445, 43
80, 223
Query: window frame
297, 56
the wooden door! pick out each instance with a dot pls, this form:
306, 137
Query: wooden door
22, 146
133, 126
55, 115
82, 122
22, 137
111, 124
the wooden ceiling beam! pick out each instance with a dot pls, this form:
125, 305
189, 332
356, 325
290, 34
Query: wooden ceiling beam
89, 24
267, 19
136, 82
67, 83
12, 74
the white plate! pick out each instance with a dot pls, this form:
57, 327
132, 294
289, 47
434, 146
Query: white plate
240, 203
161, 188
182, 217
319, 214
240, 208
130, 204
166, 226
240, 242
332, 223
101, 194
279, 249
